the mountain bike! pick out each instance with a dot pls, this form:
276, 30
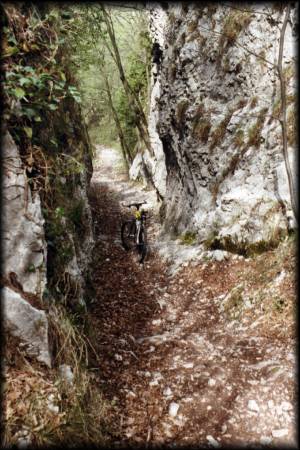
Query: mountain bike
133, 231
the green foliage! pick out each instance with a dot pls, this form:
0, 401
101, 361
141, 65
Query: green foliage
35, 83
188, 238
92, 60
76, 213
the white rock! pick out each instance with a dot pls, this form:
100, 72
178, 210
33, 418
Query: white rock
173, 409
224, 428
253, 406
212, 441
270, 404
53, 408
286, 406
66, 373
167, 391
118, 357
27, 323
211, 382
265, 440
279, 433
156, 322
188, 365
23, 442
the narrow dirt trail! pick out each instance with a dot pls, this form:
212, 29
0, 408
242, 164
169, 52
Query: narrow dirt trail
177, 371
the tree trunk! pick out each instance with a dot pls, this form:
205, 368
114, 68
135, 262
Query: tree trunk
125, 150
283, 120
141, 121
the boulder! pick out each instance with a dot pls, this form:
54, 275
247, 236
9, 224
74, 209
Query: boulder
28, 324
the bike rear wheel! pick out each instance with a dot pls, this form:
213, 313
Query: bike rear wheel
128, 233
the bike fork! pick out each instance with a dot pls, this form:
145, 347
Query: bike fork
138, 229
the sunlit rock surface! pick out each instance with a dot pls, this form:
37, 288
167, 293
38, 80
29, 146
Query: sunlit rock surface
24, 248
155, 163
215, 106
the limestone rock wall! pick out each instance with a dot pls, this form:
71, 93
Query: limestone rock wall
155, 163
26, 273
24, 245
215, 108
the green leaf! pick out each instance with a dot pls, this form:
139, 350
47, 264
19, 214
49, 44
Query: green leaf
12, 39
52, 106
29, 112
53, 141
28, 69
24, 80
10, 51
28, 131
19, 92
37, 119
10, 74
59, 211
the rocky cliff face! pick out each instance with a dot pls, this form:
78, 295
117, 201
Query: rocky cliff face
46, 156
215, 104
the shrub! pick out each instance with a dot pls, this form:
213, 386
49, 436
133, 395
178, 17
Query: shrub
188, 238
76, 212
235, 22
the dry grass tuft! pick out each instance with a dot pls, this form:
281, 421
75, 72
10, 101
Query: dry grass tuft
291, 127
254, 101
219, 133
192, 26
201, 129
41, 405
181, 111
238, 139
235, 22
254, 132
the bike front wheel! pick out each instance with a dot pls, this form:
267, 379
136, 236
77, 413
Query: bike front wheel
128, 233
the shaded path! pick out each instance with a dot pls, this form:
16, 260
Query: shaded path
176, 369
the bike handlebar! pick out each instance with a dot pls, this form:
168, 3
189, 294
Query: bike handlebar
137, 204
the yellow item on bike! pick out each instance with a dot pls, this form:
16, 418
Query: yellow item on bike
138, 215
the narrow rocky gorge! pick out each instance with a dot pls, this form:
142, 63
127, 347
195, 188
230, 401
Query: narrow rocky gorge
197, 345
